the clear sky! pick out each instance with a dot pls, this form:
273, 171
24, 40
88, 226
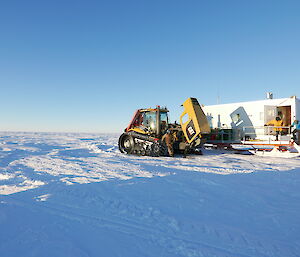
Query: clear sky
86, 66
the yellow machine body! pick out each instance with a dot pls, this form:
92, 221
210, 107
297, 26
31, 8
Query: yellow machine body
138, 130
193, 121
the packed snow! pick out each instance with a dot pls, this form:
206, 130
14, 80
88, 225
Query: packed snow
77, 195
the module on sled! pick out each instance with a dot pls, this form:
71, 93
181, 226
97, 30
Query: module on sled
150, 133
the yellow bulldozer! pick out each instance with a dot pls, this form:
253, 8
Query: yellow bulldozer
150, 133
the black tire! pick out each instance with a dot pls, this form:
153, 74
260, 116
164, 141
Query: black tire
148, 151
163, 149
143, 152
126, 144
155, 149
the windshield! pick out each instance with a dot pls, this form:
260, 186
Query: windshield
149, 120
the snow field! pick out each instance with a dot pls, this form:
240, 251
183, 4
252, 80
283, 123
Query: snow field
76, 195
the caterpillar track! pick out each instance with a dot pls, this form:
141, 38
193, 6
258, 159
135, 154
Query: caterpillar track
136, 144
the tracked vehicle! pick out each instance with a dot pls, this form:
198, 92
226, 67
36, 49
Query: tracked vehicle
150, 133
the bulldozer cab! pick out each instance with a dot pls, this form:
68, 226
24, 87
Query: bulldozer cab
149, 121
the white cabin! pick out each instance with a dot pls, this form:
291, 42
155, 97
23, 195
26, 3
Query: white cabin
247, 119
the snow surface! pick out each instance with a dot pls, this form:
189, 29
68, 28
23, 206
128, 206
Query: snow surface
76, 195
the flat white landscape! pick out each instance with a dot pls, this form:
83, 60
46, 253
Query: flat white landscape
76, 195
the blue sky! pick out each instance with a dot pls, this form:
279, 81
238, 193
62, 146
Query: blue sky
85, 66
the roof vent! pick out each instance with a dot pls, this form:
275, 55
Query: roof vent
269, 95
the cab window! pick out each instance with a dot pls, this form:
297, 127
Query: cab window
164, 122
149, 120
